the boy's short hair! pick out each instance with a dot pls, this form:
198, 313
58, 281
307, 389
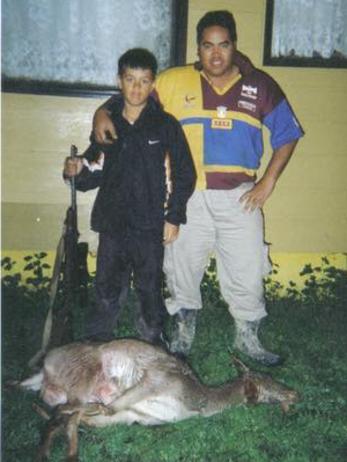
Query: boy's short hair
138, 58
222, 18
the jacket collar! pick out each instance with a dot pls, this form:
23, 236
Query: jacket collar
151, 107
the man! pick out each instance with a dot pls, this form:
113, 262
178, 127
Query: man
223, 102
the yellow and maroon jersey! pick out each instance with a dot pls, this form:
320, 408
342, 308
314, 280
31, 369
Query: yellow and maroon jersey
224, 127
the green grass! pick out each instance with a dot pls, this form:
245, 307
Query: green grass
308, 327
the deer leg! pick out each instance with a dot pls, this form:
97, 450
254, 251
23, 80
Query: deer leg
97, 409
41, 412
126, 416
71, 430
74, 415
85, 409
63, 419
54, 425
70, 409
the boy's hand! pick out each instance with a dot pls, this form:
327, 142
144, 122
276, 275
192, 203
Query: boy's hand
170, 233
72, 166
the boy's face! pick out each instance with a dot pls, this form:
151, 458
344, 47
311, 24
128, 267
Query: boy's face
136, 85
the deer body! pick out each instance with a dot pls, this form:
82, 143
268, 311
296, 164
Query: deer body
168, 407
127, 381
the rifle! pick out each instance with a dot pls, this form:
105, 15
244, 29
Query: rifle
70, 274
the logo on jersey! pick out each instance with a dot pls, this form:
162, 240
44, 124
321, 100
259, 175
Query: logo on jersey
247, 105
248, 91
189, 101
222, 124
222, 112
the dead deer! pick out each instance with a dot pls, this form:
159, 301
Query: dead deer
127, 381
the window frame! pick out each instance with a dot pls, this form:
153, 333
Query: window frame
288, 61
38, 87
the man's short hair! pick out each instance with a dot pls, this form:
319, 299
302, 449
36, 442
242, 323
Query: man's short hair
222, 18
138, 58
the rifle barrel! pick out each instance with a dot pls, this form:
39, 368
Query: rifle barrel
73, 154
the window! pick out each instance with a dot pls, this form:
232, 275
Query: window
72, 46
306, 33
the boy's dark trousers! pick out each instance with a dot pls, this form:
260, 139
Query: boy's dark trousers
118, 254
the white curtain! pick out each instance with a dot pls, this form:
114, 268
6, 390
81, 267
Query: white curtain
309, 28
81, 40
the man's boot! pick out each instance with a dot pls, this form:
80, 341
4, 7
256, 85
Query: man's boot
184, 331
246, 341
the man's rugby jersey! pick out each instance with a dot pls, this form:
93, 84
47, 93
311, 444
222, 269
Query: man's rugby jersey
224, 127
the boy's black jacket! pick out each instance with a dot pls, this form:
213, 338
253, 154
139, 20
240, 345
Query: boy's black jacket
132, 183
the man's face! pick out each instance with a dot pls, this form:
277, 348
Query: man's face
136, 85
216, 51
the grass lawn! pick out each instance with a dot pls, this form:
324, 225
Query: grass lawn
307, 327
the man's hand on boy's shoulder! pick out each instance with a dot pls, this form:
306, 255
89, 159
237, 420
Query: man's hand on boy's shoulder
170, 233
103, 128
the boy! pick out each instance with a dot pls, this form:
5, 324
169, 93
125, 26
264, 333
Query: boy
132, 212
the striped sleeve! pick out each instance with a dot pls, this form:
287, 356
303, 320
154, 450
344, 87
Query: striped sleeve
283, 125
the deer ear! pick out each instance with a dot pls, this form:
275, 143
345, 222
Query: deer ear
251, 391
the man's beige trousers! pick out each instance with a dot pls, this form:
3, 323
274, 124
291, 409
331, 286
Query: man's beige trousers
218, 225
